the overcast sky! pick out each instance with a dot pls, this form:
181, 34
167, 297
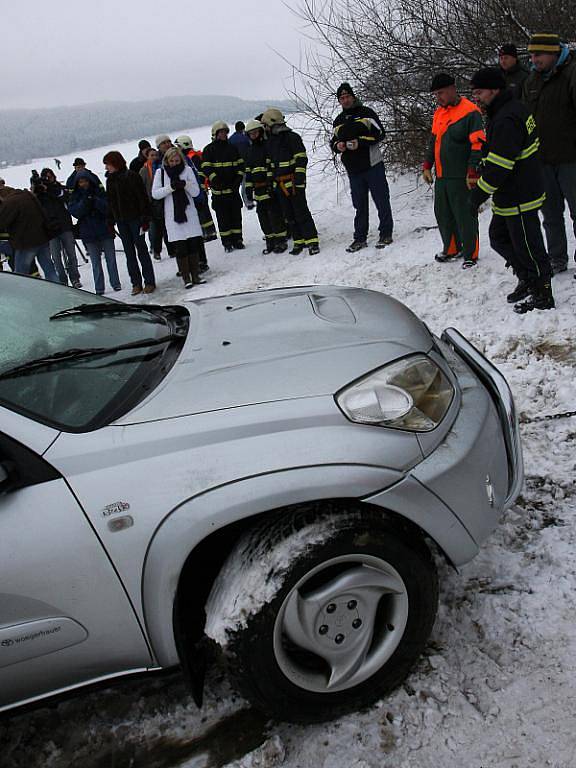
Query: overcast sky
65, 52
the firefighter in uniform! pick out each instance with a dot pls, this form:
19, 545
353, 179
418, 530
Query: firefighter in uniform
512, 174
224, 169
454, 150
289, 160
260, 190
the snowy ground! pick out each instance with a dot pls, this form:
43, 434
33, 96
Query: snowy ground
496, 687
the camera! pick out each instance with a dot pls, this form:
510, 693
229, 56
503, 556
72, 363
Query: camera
36, 182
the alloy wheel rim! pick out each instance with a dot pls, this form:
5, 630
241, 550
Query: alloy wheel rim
340, 623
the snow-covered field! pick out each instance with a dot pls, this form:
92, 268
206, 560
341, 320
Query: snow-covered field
496, 687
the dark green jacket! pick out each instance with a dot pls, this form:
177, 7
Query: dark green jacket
514, 78
552, 100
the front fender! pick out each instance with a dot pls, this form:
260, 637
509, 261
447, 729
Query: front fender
197, 518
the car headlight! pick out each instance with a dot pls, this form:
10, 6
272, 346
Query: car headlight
412, 394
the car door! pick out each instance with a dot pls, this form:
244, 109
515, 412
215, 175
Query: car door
65, 618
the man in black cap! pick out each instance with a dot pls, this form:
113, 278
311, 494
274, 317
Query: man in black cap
550, 93
138, 162
356, 138
79, 164
513, 72
512, 175
454, 150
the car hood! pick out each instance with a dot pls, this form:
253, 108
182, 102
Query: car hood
281, 344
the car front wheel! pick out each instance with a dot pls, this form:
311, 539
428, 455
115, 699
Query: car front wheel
329, 612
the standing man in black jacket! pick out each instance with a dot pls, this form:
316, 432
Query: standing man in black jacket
513, 72
550, 93
53, 198
512, 175
357, 135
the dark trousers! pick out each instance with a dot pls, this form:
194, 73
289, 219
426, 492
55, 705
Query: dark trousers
155, 234
272, 222
372, 181
518, 239
187, 257
206, 221
228, 210
297, 213
457, 222
560, 188
136, 251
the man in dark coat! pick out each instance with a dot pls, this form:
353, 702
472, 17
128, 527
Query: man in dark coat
512, 70
550, 93
240, 140
53, 198
22, 217
137, 163
512, 175
356, 138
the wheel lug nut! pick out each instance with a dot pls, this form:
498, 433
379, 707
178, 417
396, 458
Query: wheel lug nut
357, 623
323, 629
352, 605
339, 639
331, 608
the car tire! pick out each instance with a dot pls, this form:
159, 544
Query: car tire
350, 598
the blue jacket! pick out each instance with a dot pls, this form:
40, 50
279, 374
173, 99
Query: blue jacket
90, 207
242, 143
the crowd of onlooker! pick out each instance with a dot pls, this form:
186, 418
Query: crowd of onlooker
162, 195
515, 142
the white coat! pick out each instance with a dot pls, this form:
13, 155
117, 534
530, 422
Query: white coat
190, 228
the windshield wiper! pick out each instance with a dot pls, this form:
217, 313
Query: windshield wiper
111, 308
79, 354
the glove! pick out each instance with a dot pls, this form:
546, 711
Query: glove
472, 178
476, 198
177, 184
427, 176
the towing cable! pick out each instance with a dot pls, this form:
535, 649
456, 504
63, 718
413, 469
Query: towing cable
550, 417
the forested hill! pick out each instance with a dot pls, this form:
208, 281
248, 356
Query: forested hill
29, 133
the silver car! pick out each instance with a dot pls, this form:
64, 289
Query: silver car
266, 477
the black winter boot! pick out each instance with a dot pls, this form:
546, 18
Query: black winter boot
540, 298
521, 291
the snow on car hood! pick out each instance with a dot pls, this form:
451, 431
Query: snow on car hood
281, 344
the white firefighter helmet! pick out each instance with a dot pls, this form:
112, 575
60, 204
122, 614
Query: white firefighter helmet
219, 125
253, 125
273, 116
184, 142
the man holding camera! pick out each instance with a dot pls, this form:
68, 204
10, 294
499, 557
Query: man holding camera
357, 135
53, 197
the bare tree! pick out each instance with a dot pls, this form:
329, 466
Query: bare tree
390, 49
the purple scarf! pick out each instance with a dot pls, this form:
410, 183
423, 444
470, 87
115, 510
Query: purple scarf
179, 196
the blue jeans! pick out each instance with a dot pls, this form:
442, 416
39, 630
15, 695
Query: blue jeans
136, 251
560, 188
65, 242
374, 181
24, 259
94, 250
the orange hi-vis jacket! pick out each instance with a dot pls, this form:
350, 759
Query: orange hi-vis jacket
455, 146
